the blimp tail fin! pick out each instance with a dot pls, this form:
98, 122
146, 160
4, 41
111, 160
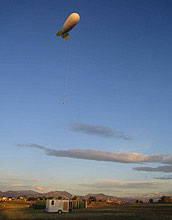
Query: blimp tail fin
65, 36
59, 33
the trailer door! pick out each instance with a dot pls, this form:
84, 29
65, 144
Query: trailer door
65, 206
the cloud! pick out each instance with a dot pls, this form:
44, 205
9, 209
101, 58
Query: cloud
109, 184
38, 188
105, 156
102, 131
165, 169
74, 189
22, 180
18, 179
17, 185
164, 178
32, 146
28, 187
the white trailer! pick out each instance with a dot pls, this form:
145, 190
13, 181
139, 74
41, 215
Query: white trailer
55, 205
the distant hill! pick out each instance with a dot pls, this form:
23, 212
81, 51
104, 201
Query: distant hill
56, 194
102, 197
31, 193
27, 193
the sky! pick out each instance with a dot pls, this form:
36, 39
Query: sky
113, 134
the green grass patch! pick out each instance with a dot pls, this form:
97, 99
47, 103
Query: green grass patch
39, 205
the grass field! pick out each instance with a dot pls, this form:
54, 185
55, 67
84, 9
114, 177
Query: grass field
21, 211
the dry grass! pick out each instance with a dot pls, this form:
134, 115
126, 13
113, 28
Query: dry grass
21, 211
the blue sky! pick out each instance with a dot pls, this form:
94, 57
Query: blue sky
118, 67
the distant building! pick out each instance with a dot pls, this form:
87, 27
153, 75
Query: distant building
4, 199
165, 199
22, 198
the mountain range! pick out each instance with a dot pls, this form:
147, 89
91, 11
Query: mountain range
67, 195
54, 194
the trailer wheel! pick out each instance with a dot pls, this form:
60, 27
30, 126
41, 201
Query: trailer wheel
60, 211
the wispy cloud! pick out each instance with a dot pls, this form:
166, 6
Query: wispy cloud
18, 179
101, 131
23, 180
164, 178
38, 188
18, 185
109, 184
165, 169
108, 156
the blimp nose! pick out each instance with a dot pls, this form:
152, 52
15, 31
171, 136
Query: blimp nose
76, 16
